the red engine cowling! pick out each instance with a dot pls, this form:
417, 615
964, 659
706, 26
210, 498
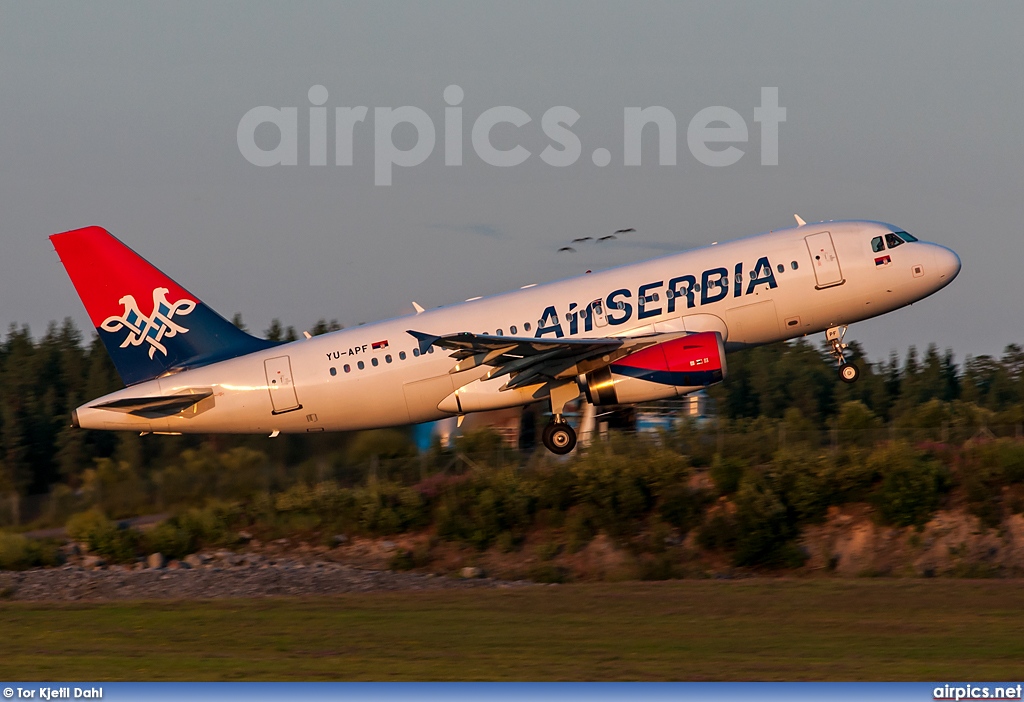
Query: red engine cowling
673, 368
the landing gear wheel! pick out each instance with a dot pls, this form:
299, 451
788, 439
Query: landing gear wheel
559, 438
849, 373
545, 434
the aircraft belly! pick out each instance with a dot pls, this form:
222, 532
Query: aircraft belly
755, 323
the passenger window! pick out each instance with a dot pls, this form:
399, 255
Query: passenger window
347, 368
374, 361
387, 358
499, 333
794, 265
526, 327
782, 268
401, 355
415, 352
893, 241
512, 330
334, 371
877, 245
360, 365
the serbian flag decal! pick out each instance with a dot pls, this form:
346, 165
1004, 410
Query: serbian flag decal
883, 261
378, 345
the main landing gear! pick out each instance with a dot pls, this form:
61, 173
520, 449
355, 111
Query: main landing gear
848, 372
558, 437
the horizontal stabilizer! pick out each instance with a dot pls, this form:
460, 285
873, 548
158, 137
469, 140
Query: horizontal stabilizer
163, 405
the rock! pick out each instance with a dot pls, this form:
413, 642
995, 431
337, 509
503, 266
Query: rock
471, 572
194, 560
175, 564
244, 536
93, 562
387, 545
340, 539
71, 549
155, 560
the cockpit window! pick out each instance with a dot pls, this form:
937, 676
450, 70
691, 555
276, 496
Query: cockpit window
877, 244
892, 240
906, 237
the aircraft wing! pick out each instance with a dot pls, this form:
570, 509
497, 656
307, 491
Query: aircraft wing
530, 360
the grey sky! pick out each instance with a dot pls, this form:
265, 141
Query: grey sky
125, 115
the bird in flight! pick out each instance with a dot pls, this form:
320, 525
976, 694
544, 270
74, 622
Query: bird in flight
568, 248
625, 231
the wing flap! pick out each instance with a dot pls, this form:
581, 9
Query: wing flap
531, 360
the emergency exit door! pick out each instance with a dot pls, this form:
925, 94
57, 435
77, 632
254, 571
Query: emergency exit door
824, 260
281, 385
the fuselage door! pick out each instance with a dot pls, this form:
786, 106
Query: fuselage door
281, 385
824, 259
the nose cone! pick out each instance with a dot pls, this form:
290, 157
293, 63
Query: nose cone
947, 264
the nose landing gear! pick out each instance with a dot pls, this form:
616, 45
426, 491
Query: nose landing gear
848, 372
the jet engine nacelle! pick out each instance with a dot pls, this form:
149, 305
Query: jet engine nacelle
670, 369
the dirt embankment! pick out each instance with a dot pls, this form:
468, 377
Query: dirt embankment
848, 543
953, 543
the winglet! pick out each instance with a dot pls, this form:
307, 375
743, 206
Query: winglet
426, 340
416, 306
799, 220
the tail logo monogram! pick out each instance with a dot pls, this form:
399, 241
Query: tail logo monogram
151, 329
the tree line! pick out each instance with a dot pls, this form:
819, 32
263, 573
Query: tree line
45, 378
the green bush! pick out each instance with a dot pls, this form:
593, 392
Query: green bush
103, 536
622, 483
116, 487
912, 484
379, 443
683, 507
857, 424
85, 525
765, 526
19, 553
193, 529
726, 474
198, 474
718, 532
170, 540
479, 510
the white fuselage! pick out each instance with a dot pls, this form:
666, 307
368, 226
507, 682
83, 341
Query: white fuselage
317, 384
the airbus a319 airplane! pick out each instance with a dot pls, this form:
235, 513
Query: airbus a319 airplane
640, 332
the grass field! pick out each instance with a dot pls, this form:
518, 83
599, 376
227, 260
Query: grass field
683, 630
